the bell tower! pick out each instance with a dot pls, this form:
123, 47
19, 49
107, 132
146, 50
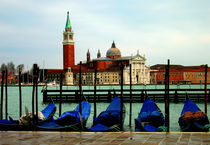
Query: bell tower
68, 45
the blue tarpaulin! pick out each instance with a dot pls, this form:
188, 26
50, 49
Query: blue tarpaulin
75, 114
149, 113
108, 118
48, 110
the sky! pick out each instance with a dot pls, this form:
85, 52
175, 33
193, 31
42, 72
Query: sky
31, 31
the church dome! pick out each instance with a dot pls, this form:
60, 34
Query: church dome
113, 52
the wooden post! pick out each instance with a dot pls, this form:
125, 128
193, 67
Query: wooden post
109, 96
2, 93
36, 82
33, 93
130, 96
6, 96
206, 72
80, 90
121, 99
142, 96
95, 82
61, 83
167, 96
20, 95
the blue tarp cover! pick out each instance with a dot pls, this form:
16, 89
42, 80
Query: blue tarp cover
148, 106
114, 105
149, 113
48, 110
189, 106
109, 117
85, 109
149, 109
69, 117
72, 117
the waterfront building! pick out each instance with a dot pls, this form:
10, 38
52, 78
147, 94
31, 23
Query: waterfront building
108, 67
179, 74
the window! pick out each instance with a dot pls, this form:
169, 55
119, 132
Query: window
70, 37
65, 37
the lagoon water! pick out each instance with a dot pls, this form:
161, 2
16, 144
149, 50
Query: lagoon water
175, 108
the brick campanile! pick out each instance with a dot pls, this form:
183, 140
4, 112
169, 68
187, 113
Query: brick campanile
68, 45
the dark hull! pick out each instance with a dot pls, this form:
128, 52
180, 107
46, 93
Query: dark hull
194, 127
13, 127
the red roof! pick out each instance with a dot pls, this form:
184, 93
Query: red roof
54, 71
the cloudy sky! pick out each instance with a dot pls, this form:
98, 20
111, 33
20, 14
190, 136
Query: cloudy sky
179, 30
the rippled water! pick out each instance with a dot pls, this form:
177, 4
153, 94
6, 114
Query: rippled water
175, 109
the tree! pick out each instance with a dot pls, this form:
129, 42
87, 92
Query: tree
3, 67
20, 67
11, 67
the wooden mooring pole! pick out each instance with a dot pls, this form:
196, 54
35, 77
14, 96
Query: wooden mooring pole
33, 90
36, 82
2, 93
130, 96
20, 94
167, 81
6, 96
95, 82
206, 73
80, 90
61, 84
121, 99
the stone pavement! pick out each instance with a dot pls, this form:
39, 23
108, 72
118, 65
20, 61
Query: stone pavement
99, 138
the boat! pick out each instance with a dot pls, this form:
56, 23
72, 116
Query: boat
109, 120
52, 84
150, 118
68, 121
192, 119
26, 121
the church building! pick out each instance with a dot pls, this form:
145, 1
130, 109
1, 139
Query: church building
108, 67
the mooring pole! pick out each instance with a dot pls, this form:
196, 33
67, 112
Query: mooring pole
2, 93
61, 84
167, 81
80, 90
130, 96
206, 73
95, 82
33, 93
6, 96
121, 99
20, 94
37, 75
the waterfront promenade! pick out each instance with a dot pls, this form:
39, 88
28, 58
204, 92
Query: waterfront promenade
107, 138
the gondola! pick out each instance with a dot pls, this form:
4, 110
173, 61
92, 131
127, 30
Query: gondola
68, 121
109, 120
26, 120
150, 118
192, 119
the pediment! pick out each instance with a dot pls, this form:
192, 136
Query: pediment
138, 58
